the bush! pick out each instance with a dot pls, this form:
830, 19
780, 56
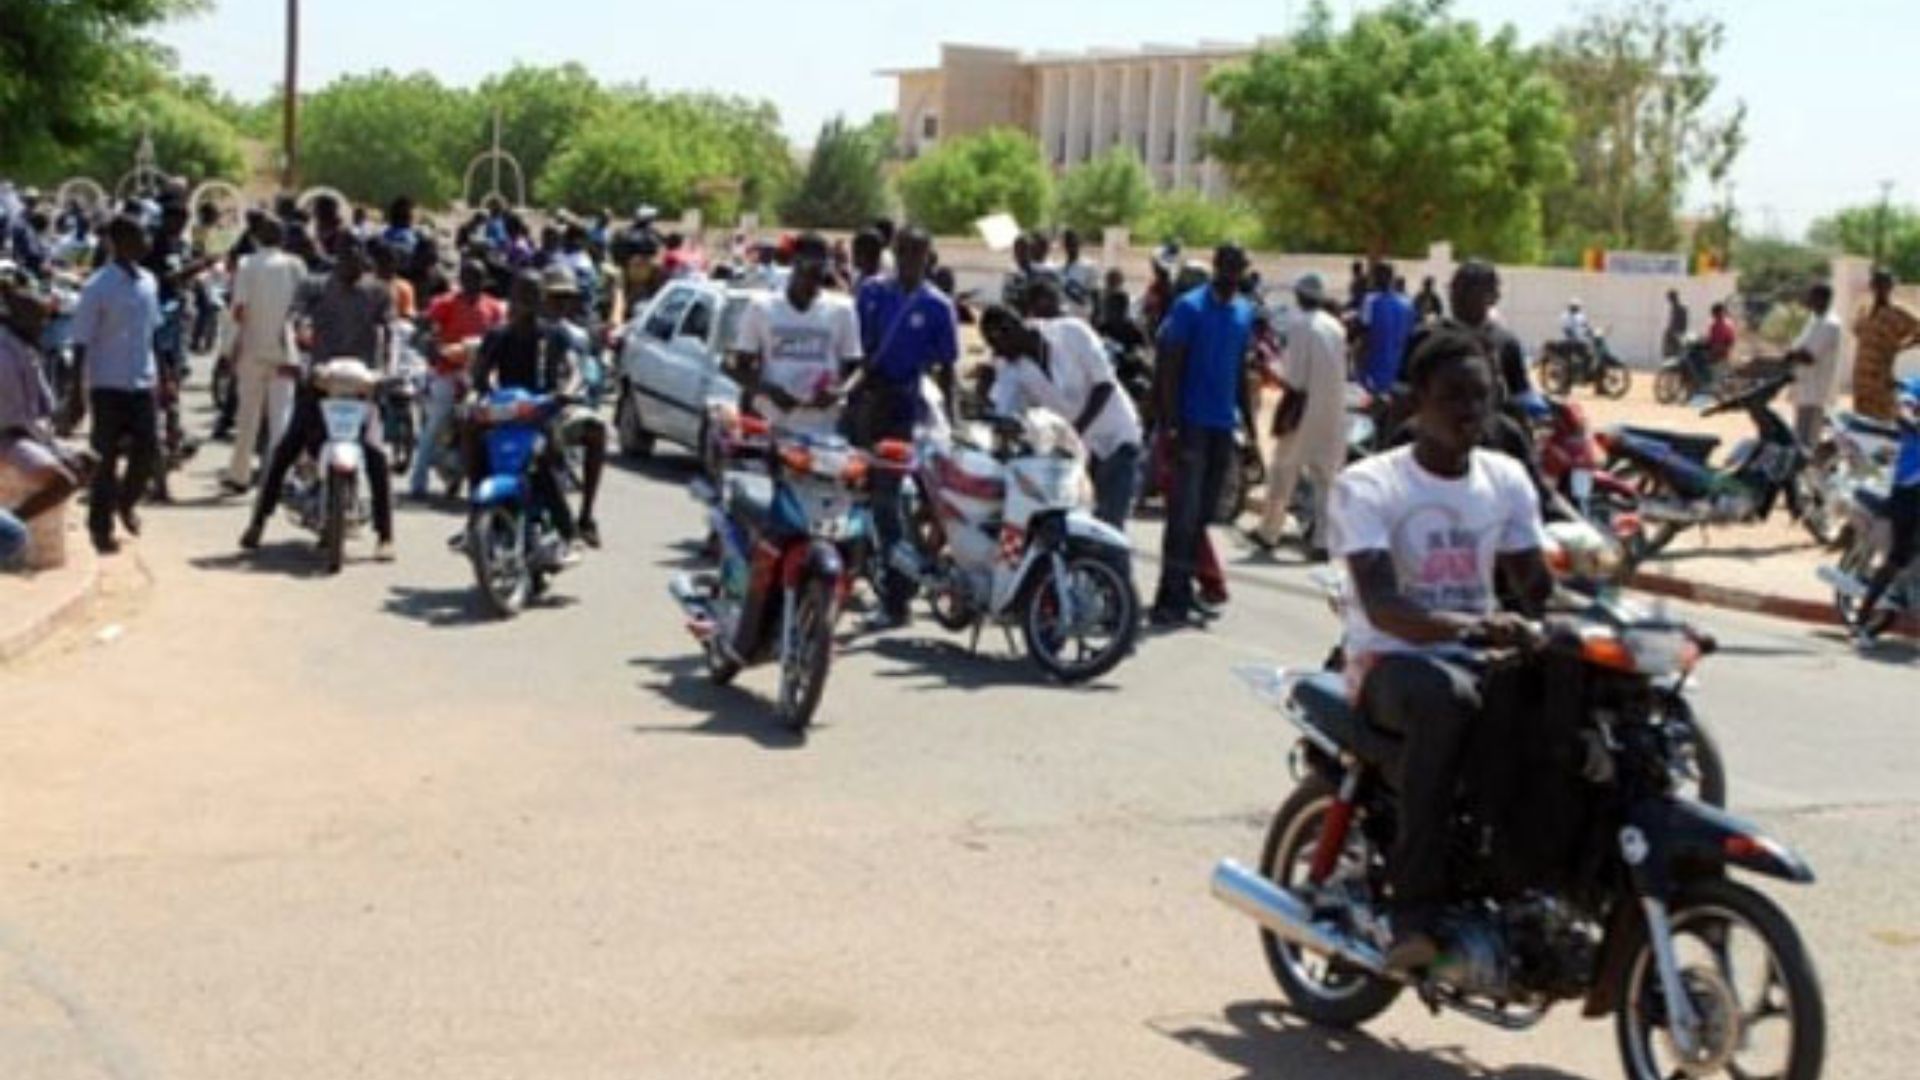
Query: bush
842, 188
376, 137
968, 178
1195, 221
1112, 189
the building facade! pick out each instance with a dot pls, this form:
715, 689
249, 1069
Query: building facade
1078, 106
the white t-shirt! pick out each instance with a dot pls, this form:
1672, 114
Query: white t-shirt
1815, 383
1316, 364
265, 287
1078, 363
801, 352
1443, 534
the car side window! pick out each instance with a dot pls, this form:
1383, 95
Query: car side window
699, 321
665, 316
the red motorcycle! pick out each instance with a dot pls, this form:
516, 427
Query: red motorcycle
1574, 464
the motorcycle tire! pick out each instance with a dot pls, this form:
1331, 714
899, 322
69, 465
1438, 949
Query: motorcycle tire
333, 532
501, 574
1615, 381
1359, 997
1823, 520
1859, 562
1124, 614
635, 440
720, 670
1670, 387
951, 610
803, 675
1788, 968
1556, 374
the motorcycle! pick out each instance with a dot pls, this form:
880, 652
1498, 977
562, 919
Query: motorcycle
1868, 543
398, 398
1614, 890
63, 373
513, 540
1006, 542
1566, 363
1680, 490
1571, 462
1688, 375
324, 496
1855, 450
781, 581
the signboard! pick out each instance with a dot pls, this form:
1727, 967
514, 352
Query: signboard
1645, 263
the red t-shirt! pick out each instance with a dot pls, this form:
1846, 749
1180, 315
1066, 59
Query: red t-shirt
1720, 338
456, 319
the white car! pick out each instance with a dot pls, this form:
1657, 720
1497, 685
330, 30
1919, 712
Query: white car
672, 365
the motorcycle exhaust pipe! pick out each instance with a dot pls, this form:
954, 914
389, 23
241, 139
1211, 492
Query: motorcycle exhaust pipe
693, 601
1670, 513
1286, 916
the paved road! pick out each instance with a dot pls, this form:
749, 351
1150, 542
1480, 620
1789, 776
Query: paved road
277, 825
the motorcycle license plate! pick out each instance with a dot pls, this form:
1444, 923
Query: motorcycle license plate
345, 419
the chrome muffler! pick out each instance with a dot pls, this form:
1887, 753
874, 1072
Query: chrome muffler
1287, 917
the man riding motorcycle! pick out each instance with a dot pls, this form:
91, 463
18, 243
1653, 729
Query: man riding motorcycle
1423, 530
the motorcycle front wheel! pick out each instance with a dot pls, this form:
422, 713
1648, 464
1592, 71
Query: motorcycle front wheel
1106, 617
1858, 562
1670, 387
333, 532
1750, 982
1615, 381
499, 565
803, 671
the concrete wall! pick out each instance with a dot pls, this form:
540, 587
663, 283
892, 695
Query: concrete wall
984, 88
919, 93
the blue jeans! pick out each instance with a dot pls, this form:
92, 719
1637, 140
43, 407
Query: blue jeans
441, 391
13, 541
1200, 463
1116, 480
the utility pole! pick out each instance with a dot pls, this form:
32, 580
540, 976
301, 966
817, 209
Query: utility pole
290, 106
1880, 223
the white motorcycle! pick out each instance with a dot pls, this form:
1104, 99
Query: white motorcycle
325, 496
1868, 542
1856, 451
999, 536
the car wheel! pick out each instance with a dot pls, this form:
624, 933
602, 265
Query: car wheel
635, 439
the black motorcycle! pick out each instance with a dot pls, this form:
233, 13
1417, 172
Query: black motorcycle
1591, 881
1566, 363
1687, 375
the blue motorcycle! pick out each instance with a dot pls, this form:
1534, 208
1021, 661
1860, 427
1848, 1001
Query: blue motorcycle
514, 536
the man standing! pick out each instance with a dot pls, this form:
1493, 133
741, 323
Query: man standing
1203, 397
347, 312
1389, 320
1721, 335
458, 318
1884, 329
264, 373
1674, 341
1079, 279
1427, 304
793, 345
908, 331
1473, 294
114, 325
1310, 425
1817, 352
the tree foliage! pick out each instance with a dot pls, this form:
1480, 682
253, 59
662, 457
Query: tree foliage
967, 178
1112, 189
190, 139
1407, 128
539, 108
1192, 220
382, 135
1853, 231
678, 152
1773, 269
1639, 90
842, 187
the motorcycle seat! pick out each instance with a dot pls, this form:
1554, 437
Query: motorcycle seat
1867, 425
1323, 698
1697, 447
749, 500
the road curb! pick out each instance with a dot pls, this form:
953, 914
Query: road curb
16, 642
1816, 612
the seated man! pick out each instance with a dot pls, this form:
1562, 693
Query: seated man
1423, 529
26, 407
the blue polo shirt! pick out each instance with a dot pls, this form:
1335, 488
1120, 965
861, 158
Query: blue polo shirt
1906, 467
1216, 336
118, 314
905, 335
1389, 318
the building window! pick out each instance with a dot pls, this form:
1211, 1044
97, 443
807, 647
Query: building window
929, 127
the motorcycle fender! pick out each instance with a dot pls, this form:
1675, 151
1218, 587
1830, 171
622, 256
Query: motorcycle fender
818, 559
498, 491
1680, 838
342, 457
1084, 528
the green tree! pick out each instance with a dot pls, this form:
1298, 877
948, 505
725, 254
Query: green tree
968, 178
1778, 269
64, 67
539, 107
842, 187
1407, 128
1112, 189
630, 154
1639, 90
189, 139
1192, 220
1855, 230
379, 136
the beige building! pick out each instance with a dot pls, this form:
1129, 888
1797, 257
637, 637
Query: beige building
1078, 106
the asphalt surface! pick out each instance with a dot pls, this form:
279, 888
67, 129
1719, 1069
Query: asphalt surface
262, 823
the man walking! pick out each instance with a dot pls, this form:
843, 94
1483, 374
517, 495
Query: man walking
113, 326
263, 371
1203, 397
1674, 341
1310, 425
1884, 329
1817, 352
1389, 319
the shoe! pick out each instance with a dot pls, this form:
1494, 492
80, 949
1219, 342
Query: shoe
106, 545
230, 486
383, 551
130, 520
1169, 618
458, 541
1259, 540
1412, 951
590, 532
1213, 598
250, 540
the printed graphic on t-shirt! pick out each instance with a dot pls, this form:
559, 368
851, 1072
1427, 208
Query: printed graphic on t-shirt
1438, 559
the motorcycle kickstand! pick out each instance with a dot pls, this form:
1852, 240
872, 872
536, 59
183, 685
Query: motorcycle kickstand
973, 643
1013, 647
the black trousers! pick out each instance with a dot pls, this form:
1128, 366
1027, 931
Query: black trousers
306, 433
1432, 704
126, 419
1200, 463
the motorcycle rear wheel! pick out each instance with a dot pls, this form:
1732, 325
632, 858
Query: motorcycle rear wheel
1615, 381
1670, 387
1556, 372
1333, 995
333, 532
1705, 917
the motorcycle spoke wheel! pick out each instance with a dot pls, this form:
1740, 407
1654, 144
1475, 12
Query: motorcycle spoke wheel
803, 674
499, 563
1088, 641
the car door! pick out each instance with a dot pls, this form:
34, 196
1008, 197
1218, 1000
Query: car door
688, 364
649, 360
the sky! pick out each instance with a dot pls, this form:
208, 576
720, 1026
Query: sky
1830, 114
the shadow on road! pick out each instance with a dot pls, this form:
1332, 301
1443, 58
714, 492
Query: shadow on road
446, 608
1887, 650
948, 665
671, 468
1268, 1043
289, 558
687, 555
730, 712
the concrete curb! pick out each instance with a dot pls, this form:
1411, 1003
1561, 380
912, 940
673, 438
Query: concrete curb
17, 641
1816, 612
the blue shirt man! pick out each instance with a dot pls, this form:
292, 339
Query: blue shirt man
906, 332
1390, 319
1906, 467
1215, 334
118, 314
